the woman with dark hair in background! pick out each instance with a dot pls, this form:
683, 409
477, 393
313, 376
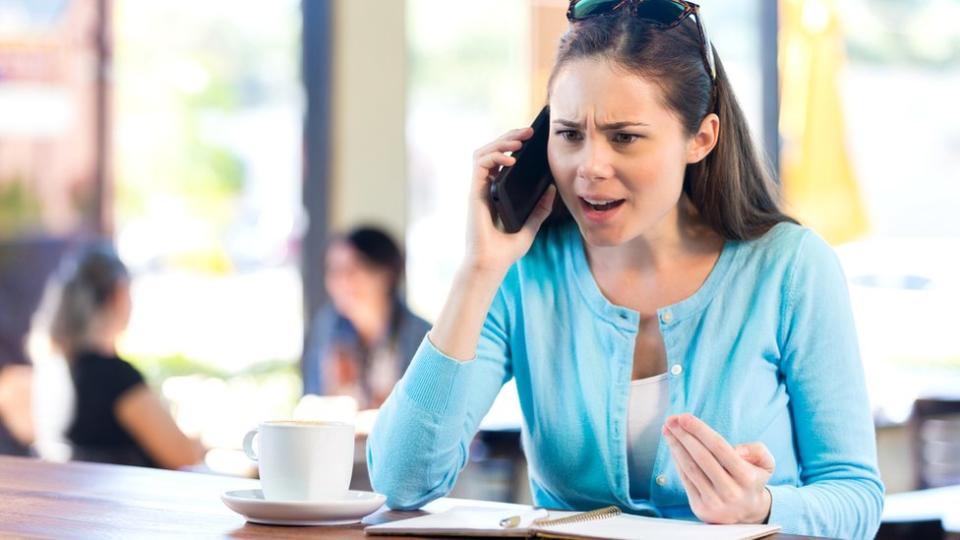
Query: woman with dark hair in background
117, 418
681, 347
362, 341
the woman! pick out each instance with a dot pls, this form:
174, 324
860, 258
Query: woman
360, 343
681, 347
117, 418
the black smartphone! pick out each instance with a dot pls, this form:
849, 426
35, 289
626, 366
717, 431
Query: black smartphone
517, 189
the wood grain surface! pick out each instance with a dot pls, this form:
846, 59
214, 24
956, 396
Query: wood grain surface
86, 500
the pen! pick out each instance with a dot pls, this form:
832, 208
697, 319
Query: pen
528, 517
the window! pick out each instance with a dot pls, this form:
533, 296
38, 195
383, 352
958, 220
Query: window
899, 88
208, 124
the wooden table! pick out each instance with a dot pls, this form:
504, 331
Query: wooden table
86, 500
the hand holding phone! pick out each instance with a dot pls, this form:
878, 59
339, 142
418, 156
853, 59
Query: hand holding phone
489, 251
517, 189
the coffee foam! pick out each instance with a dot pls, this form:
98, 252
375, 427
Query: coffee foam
304, 423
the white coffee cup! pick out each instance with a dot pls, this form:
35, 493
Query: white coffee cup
302, 460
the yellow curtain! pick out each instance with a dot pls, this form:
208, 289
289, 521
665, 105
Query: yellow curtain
819, 185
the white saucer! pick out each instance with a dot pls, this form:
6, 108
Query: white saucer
350, 509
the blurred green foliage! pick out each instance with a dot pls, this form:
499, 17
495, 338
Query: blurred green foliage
946, 361
19, 208
283, 375
184, 99
157, 369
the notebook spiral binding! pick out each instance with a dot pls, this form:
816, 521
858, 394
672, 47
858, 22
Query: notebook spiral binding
593, 515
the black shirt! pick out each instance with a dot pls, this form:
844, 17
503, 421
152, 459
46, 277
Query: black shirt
95, 433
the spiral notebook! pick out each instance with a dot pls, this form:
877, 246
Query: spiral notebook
602, 523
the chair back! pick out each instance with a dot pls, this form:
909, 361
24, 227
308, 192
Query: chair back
935, 430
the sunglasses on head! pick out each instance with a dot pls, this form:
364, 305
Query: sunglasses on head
659, 13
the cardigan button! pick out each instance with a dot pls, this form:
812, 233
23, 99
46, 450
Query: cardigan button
666, 317
677, 369
661, 480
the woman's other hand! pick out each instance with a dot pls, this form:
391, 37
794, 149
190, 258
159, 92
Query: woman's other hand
725, 484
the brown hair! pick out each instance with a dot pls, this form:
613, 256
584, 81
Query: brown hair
730, 188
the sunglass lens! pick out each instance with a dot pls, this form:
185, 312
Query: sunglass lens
588, 8
660, 11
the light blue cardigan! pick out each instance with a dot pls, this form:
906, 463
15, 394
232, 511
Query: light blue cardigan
765, 350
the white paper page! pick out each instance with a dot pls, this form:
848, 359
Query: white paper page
461, 520
630, 527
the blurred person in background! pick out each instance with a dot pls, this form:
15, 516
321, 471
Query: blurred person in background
117, 418
360, 343
16, 424
25, 263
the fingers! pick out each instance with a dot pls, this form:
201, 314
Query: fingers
720, 450
508, 142
757, 454
499, 145
688, 467
489, 161
692, 492
520, 134
487, 168
719, 480
729, 491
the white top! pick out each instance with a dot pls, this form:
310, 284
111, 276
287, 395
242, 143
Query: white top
649, 399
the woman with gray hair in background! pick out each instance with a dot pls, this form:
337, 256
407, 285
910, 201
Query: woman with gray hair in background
117, 418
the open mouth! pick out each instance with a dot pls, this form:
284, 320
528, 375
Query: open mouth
601, 206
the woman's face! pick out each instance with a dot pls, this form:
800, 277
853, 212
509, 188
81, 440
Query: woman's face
617, 153
352, 284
